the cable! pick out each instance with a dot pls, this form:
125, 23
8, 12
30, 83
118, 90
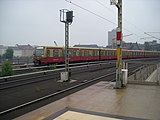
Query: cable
151, 35
123, 18
99, 16
91, 12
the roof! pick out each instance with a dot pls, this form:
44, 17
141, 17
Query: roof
25, 47
131, 46
88, 46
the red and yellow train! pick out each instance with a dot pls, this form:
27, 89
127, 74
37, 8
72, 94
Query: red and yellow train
48, 54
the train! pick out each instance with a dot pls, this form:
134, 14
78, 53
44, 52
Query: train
44, 55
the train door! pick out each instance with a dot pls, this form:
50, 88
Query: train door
99, 54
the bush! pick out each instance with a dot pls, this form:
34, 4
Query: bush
6, 68
52, 67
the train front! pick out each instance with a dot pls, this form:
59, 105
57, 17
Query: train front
38, 55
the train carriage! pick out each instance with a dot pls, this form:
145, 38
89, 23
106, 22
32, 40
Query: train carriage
48, 54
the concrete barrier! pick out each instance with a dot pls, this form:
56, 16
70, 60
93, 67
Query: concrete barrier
148, 73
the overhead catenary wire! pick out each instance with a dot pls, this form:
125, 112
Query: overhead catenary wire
91, 12
99, 16
151, 36
123, 18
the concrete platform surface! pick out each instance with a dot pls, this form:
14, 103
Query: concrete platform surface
136, 101
71, 115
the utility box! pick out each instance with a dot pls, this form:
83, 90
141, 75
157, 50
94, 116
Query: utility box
64, 76
125, 76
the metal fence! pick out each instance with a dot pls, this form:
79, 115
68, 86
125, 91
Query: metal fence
19, 61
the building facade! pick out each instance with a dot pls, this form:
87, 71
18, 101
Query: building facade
112, 37
18, 50
2, 49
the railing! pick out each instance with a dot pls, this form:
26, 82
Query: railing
19, 61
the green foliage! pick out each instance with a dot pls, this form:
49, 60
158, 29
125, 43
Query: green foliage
9, 54
53, 66
6, 69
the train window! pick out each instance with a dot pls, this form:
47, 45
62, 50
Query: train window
63, 52
39, 51
55, 53
90, 53
105, 53
48, 53
82, 51
77, 52
108, 53
123, 53
113, 53
70, 52
60, 53
74, 52
101, 52
97, 51
94, 53
86, 53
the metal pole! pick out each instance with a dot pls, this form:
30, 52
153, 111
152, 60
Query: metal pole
67, 47
119, 81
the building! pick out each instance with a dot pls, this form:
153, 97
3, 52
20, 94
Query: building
112, 37
152, 46
2, 49
18, 50
26, 50
131, 46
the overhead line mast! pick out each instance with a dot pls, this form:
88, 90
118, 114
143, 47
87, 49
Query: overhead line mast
119, 80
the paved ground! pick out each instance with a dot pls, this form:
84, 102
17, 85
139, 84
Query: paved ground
136, 101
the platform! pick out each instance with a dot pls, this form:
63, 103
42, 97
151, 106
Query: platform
100, 100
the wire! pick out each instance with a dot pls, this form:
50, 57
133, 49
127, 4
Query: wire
123, 18
99, 16
151, 35
91, 12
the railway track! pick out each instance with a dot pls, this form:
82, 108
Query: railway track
63, 88
44, 75
31, 68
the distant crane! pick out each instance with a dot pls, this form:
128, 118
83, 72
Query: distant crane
55, 43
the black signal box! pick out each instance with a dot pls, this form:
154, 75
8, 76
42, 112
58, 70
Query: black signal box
69, 16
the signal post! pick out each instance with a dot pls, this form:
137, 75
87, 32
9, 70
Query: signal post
66, 17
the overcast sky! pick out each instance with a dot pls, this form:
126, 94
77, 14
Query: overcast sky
36, 22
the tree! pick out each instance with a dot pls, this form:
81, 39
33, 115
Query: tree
6, 68
8, 54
